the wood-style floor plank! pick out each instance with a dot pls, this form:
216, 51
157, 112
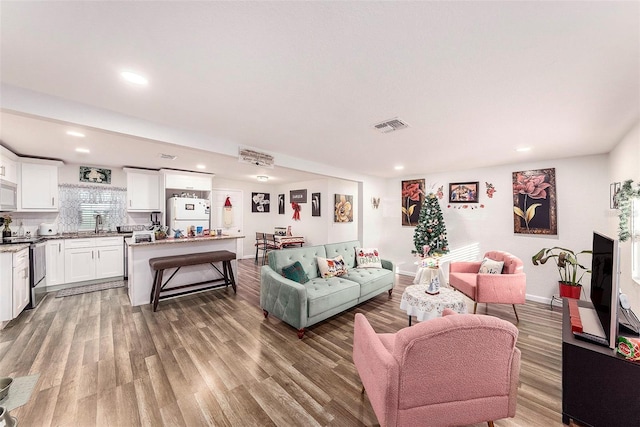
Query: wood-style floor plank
212, 359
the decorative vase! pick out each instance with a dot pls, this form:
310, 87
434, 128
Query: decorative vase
6, 232
569, 291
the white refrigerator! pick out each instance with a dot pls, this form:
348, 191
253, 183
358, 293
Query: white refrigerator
184, 212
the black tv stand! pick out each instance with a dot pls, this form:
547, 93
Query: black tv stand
599, 387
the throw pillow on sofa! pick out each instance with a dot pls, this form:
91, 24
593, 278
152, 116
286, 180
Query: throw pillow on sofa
331, 267
296, 273
490, 266
368, 258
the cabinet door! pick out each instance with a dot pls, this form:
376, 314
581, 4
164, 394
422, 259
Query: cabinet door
20, 282
110, 261
79, 264
143, 192
188, 182
55, 262
38, 187
8, 167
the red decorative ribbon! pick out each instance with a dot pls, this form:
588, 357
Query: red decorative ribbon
296, 211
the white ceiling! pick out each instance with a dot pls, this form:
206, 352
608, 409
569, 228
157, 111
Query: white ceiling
306, 82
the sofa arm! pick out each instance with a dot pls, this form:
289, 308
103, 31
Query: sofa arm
501, 288
378, 370
284, 298
464, 267
388, 265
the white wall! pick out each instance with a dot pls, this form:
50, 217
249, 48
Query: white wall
582, 206
624, 163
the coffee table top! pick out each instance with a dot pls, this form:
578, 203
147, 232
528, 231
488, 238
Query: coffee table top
416, 302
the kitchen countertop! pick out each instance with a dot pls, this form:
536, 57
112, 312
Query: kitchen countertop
187, 240
15, 247
85, 235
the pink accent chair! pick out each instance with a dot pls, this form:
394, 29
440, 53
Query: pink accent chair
458, 369
506, 288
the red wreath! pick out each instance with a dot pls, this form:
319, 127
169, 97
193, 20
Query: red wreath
296, 211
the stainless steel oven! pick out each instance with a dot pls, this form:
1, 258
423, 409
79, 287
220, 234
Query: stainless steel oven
37, 271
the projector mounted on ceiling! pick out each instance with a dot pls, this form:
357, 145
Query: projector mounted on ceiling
390, 125
255, 158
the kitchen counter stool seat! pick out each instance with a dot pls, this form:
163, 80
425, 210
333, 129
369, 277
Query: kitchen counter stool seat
160, 264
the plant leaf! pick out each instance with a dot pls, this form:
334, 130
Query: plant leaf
518, 211
531, 211
411, 209
404, 210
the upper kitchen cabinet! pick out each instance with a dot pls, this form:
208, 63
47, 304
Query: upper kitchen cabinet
8, 166
188, 181
38, 186
143, 190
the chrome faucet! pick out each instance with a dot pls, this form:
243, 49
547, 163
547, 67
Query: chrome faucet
98, 223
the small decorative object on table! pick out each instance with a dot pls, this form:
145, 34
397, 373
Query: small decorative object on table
434, 286
177, 234
6, 232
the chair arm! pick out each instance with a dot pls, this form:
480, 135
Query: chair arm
515, 375
378, 370
501, 288
284, 298
464, 267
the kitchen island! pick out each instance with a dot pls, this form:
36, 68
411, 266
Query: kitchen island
141, 275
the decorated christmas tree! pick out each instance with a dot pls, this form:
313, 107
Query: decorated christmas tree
430, 237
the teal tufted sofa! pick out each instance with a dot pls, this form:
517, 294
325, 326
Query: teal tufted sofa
302, 305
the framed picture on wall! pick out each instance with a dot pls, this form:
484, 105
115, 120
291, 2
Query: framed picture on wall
298, 196
260, 202
343, 208
463, 192
315, 204
412, 200
281, 204
534, 202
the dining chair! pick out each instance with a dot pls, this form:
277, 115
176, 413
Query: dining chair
270, 244
259, 244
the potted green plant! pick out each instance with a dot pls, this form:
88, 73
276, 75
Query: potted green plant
570, 270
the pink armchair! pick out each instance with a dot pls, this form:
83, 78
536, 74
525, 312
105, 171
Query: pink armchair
506, 288
453, 370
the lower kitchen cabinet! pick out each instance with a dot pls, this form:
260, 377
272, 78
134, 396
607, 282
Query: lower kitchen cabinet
93, 258
14, 283
55, 262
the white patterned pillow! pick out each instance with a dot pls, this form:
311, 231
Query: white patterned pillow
331, 267
490, 266
368, 258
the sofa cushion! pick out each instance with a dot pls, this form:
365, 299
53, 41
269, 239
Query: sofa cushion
368, 258
464, 282
296, 273
370, 279
279, 259
325, 294
331, 267
346, 249
490, 266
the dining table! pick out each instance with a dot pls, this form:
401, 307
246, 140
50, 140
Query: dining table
288, 241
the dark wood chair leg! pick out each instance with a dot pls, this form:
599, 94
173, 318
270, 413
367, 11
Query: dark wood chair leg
475, 307
490, 423
390, 291
266, 313
300, 333
158, 288
516, 312
231, 278
362, 391
153, 287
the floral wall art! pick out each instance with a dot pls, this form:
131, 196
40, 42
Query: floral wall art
412, 200
343, 208
534, 202
260, 202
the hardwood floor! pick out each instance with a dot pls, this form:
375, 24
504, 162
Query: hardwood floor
212, 359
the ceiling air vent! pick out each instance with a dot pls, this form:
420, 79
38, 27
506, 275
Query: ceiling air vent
168, 156
255, 158
391, 125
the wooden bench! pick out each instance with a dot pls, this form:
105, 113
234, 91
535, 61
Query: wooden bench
160, 264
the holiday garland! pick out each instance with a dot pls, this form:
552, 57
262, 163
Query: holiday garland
624, 198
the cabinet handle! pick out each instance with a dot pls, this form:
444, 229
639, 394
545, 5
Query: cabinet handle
91, 254
129, 202
59, 247
98, 254
53, 201
2, 172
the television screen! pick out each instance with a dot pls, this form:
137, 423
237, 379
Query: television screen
604, 284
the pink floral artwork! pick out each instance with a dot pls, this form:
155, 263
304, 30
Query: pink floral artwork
534, 202
412, 200
490, 189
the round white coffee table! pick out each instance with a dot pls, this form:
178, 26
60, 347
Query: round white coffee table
416, 302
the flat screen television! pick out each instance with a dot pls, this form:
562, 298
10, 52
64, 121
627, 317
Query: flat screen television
605, 284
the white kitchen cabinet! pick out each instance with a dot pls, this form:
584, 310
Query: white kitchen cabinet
20, 281
14, 283
143, 190
93, 258
55, 262
187, 181
38, 187
8, 166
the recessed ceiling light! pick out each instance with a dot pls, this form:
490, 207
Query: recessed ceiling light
523, 149
83, 150
134, 78
74, 133
262, 178
398, 168
201, 166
